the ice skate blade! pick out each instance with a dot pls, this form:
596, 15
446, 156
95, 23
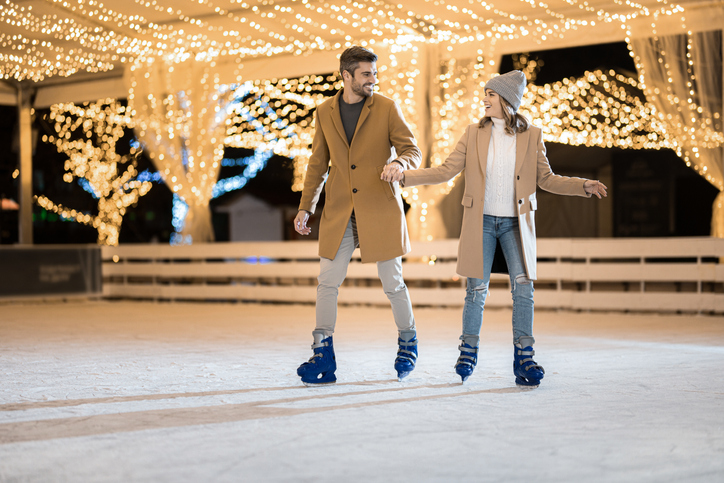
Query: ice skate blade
402, 375
317, 384
523, 384
320, 380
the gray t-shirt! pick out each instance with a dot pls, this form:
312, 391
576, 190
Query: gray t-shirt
350, 115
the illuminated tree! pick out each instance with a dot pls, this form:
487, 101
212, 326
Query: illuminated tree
88, 134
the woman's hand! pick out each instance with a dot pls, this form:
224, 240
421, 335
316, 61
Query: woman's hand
393, 172
595, 187
300, 223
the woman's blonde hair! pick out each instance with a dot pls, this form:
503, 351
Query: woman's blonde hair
514, 122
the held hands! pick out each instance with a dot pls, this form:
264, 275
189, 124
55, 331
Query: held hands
393, 172
300, 223
595, 187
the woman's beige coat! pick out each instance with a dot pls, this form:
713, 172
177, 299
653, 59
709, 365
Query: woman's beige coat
531, 169
354, 183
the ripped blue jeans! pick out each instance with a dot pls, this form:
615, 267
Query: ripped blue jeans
506, 230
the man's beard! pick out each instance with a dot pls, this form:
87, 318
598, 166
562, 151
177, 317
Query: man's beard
360, 91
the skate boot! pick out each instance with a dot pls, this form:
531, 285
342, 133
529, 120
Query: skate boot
465, 365
406, 353
319, 369
527, 372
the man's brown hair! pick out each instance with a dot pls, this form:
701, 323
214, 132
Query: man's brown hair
350, 59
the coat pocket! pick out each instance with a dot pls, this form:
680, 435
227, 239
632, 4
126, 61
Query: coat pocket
524, 207
330, 174
390, 189
467, 201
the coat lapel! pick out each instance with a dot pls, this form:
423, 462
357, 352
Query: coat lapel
337, 118
483, 146
521, 147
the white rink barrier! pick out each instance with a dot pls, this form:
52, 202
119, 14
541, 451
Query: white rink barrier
643, 274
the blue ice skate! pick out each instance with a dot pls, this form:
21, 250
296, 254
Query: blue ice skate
527, 372
319, 369
406, 357
465, 365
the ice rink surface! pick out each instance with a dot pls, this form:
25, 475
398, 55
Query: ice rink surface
181, 392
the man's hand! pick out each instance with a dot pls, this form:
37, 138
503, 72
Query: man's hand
595, 187
393, 172
300, 223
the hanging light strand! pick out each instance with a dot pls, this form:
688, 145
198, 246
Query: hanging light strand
86, 35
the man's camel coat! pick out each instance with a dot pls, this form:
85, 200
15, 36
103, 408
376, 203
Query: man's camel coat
531, 168
354, 183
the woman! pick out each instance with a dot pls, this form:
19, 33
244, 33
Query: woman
505, 159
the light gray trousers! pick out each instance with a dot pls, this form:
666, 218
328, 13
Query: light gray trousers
333, 272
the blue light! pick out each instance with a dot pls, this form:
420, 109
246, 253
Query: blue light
178, 212
240, 91
254, 164
228, 162
179, 239
149, 176
85, 184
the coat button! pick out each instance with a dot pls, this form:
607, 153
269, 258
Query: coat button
518, 177
520, 202
354, 190
354, 166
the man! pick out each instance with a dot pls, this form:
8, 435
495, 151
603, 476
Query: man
366, 140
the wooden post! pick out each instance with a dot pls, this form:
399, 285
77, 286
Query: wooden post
25, 155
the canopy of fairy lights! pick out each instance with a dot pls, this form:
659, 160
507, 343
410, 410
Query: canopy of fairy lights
279, 57
40, 39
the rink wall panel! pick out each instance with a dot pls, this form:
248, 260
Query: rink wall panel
39, 272
653, 274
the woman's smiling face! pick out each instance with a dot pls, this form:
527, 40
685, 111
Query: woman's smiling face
491, 101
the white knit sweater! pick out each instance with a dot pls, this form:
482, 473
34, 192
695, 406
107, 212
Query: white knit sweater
500, 172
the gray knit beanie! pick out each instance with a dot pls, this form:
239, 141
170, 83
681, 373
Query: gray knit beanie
510, 86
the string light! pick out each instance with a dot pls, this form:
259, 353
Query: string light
597, 109
86, 35
276, 116
180, 110
88, 134
692, 129
253, 164
601, 108
455, 102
